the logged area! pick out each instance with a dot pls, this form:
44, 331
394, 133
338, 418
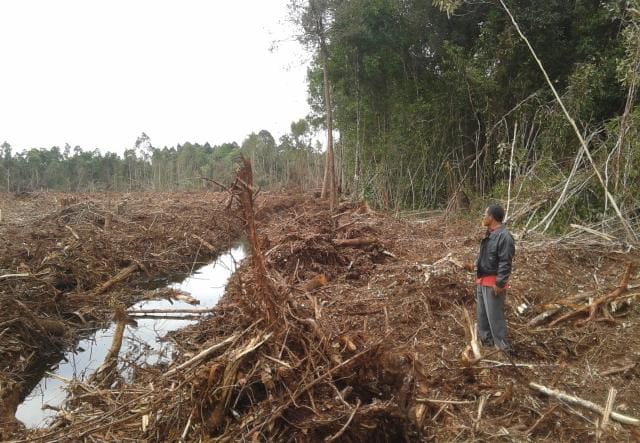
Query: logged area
68, 261
351, 221
343, 325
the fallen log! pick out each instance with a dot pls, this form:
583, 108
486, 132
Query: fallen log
362, 241
481, 403
184, 297
202, 355
47, 326
447, 402
166, 317
208, 245
602, 235
171, 294
171, 311
542, 317
557, 307
2, 277
120, 276
606, 415
105, 374
612, 371
625, 301
592, 307
563, 396
74, 233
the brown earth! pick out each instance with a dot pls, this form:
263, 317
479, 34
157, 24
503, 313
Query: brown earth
344, 326
67, 260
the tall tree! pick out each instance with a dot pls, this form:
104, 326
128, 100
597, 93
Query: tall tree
314, 19
5, 156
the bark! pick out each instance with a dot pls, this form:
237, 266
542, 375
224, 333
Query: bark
363, 241
329, 182
563, 396
120, 276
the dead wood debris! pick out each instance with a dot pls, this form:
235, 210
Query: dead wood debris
321, 339
586, 404
600, 303
63, 267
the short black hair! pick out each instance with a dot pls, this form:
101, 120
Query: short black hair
497, 212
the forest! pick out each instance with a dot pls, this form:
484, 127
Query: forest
288, 162
439, 103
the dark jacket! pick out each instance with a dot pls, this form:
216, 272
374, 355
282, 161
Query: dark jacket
496, 252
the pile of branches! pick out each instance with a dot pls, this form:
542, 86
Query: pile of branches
324, 336
597, 308
279, 369
64, 270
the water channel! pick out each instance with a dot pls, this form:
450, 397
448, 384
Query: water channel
142, 344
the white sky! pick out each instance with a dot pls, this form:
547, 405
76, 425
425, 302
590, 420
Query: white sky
99, 73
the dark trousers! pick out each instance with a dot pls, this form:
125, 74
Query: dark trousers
492, 325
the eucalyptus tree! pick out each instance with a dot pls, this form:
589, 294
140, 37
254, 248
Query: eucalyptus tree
5, 158
426, 100
314, 18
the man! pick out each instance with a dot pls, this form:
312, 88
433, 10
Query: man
493, 269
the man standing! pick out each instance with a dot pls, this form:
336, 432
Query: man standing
493, 269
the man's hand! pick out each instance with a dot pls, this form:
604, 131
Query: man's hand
498, 291
469, 267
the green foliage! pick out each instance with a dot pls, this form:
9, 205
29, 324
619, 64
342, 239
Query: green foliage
145, 167
426, 94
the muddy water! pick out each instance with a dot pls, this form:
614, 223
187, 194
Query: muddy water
143, 344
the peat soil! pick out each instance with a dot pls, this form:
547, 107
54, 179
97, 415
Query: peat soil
344, 325
67, 260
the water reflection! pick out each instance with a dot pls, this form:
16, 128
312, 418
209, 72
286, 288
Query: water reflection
142, 344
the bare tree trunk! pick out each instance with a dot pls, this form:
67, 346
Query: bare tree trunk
624, 121
329, 172
356, 171
356, 168
341, 181
130, 177
513, 145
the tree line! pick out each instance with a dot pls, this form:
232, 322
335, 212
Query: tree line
436, 102
295, 160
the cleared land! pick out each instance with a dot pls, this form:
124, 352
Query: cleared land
345, 325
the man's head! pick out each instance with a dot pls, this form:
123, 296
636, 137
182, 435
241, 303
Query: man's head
493, 216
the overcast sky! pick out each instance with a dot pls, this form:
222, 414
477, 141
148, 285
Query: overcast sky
98, 73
